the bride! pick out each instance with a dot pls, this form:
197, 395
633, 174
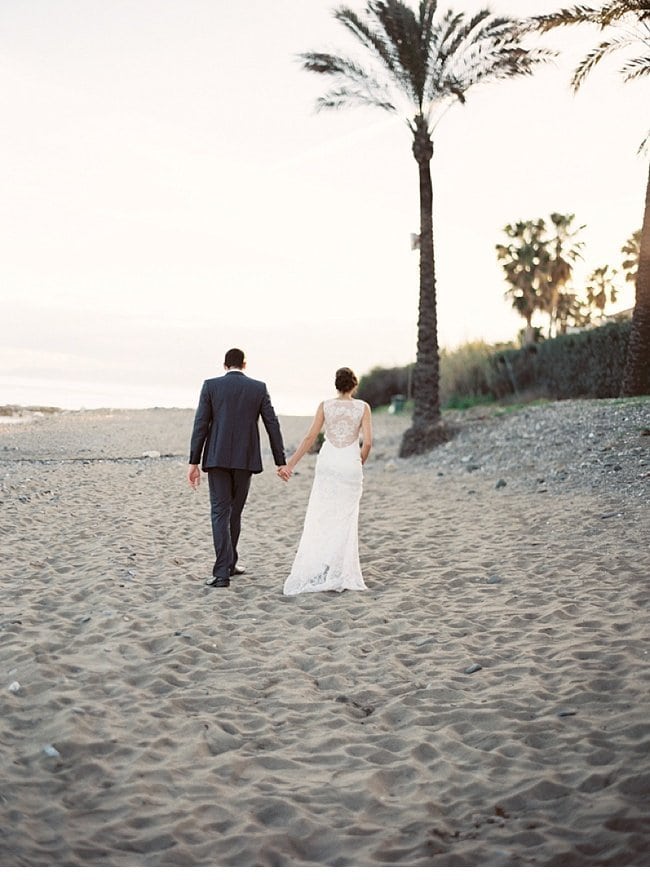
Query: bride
328, 553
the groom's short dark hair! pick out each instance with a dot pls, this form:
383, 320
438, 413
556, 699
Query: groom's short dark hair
235, 357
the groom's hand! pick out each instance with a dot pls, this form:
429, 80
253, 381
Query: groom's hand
284, 473
194, 475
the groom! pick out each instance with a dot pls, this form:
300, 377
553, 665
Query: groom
226, 432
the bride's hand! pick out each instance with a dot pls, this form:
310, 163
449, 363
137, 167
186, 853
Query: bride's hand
284, 472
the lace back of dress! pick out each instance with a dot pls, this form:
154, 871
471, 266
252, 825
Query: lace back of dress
343, 421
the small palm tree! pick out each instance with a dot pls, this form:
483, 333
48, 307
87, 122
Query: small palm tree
524, 260
571, 311
626, 26
416, 64
601, 288
565, 249
538, 264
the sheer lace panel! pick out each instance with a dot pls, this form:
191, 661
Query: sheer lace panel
343, 421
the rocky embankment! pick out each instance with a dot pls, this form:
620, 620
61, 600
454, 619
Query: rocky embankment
574, 445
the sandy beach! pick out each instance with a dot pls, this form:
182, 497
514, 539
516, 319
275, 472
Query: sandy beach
485, 703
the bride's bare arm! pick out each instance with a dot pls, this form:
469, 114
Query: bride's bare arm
366, 431
305, 444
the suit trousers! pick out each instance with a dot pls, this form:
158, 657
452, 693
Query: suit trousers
228, 493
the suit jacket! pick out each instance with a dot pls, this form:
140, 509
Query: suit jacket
226, 424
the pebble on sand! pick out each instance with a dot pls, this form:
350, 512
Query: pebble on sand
51, 752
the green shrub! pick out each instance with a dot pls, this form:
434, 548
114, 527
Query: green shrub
465, 374
381, 384
586, 364
461, 403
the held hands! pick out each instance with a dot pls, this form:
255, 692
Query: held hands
285, 472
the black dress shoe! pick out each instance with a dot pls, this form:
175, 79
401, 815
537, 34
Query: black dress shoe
217, 582
237, 569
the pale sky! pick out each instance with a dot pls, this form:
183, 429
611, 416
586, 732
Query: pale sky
168, 192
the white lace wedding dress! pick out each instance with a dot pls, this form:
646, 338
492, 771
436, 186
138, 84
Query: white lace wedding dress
328, 553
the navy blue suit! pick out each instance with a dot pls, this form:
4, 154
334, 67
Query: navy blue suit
226, 441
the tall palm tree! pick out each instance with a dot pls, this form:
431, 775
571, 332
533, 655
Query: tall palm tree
416, 64
626, 26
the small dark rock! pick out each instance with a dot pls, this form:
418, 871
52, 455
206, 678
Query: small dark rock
500, 484
565, 713
475, 667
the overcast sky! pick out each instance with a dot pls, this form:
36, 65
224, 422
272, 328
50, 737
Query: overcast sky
169, 192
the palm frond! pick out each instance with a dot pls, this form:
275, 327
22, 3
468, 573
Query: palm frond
477, 37
441, 33
389, 31
403, 34
594, 57
334, 65
427, 12
428, 30
603, 16
570, 15
335, 99
618, 9
636, 67
485, 47
366, 36
627, 20
421, 62
354, 80
494, 60
464, 31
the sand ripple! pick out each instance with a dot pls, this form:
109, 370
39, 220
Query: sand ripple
189, 726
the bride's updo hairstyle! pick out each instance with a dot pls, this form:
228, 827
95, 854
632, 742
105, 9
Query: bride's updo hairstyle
345, 380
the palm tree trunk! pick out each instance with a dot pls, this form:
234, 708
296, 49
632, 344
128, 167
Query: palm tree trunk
529, 333
426, 430
636, 379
